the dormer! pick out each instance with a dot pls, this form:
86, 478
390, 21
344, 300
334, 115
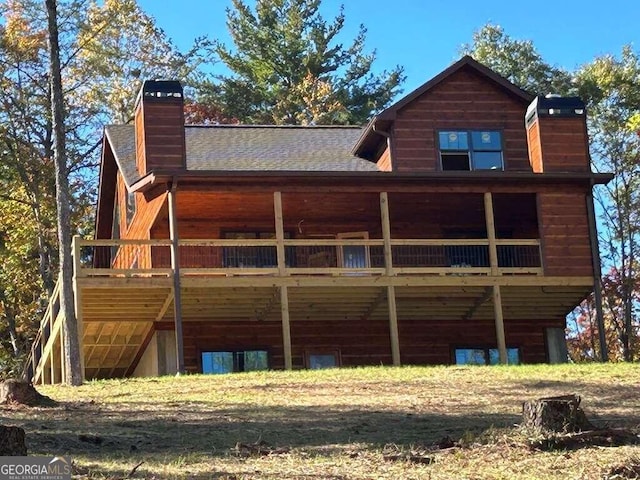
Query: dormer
466, 118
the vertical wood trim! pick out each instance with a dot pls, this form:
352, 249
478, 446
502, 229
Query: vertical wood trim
499, 319
491, 232
286, 327
175, 267
386, 232
393, 325
277, 208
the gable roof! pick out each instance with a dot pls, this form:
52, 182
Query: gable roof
363, 145
252, 148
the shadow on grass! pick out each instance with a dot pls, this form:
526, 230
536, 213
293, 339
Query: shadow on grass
199, 429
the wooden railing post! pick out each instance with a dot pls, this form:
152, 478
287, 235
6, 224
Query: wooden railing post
279, 225
76, 245
386, 233
491, 232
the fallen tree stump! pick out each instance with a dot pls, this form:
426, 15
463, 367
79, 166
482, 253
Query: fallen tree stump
555, 414
12, 442
23, 393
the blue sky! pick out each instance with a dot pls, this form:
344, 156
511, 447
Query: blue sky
424, 36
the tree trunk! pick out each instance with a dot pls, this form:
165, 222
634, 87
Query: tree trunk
71, 344
555, 414
12, 442
23, 393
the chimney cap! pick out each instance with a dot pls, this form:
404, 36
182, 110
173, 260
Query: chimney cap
160, 89
555, 106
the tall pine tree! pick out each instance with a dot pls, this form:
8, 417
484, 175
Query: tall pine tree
288, 67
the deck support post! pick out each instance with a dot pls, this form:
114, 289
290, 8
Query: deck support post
286, 327
493, 262
77, 296
175, 268
499, 320
393, 326
391, 290
597, 277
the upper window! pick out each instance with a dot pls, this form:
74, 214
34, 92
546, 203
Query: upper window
470, 150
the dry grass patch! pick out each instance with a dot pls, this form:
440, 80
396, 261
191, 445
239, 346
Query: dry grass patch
336, 424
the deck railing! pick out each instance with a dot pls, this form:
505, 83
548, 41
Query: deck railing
48, 332
307, 256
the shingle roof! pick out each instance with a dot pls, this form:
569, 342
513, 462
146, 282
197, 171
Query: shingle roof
253, 148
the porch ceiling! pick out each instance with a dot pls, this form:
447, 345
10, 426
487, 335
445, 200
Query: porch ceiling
118, 320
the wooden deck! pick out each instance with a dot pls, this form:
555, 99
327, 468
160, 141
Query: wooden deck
118, 308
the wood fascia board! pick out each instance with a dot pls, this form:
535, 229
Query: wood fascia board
375, 180
106, 191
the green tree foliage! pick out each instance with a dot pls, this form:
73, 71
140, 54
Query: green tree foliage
518, 61
611, 86
288, 67
105, 50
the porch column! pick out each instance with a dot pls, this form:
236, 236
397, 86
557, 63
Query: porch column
175, 268
391, 290
491, 233
286, 329
493, 262
280, 250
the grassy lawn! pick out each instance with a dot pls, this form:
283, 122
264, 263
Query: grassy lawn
332, 424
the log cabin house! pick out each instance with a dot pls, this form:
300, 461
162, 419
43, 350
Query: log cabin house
456, 227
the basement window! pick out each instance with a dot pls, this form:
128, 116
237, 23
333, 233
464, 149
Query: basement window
229, 362
485, 356
465, 150
323, 359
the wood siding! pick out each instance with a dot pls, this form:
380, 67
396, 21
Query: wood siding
384, 162
466, 100
160, 141
563, 144
361, 342
564, 232
535, 150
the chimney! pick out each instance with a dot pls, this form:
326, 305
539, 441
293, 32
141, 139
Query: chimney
557, 135
159, 127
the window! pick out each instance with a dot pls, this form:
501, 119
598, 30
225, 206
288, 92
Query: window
470, 150
321, 360
485, 356
228, 362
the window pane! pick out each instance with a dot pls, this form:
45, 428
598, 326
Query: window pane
255, 360
454, 141
487, 160
455, 161
486, 141
470, 356
317, 362
217, 362
513, 356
